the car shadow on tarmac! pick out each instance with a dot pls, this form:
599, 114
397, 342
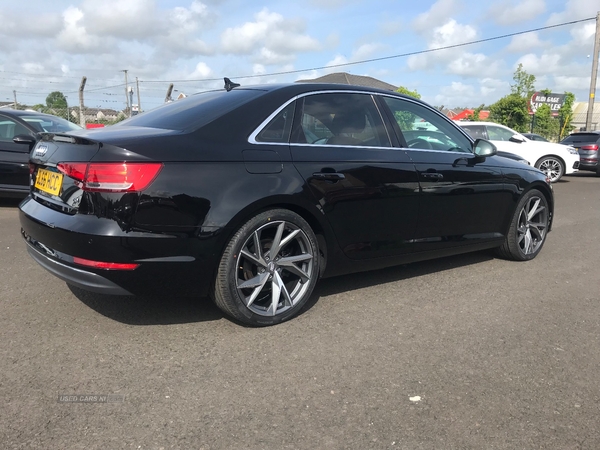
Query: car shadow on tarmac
177, 310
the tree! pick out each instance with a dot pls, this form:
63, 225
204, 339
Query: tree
56, 100
406, 119
524, 83
406, 91
565, 115
475, 117
544, 124
511, 111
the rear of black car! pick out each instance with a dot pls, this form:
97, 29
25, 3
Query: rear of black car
587, 145
80, 220
123, 209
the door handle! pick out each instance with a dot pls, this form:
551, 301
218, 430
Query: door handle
433, 175
333, 176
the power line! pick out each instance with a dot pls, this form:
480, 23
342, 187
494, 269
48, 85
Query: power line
288, 72
383, 58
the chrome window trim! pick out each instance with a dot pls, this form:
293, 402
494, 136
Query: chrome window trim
257, 131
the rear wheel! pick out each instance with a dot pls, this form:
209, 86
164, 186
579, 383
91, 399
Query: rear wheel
268, 270
553, 167
528, 228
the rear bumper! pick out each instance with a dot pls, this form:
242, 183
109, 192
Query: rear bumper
88, 281
170, 264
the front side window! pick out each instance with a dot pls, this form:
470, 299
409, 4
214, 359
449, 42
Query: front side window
348, 119
423, 129
499, 133
9, 129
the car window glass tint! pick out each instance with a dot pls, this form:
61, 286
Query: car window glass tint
581, 137
278, 129
9, 129
346, 119
192, 112
475, 131
499, 134
424, 129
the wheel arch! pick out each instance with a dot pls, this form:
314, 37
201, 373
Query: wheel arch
562, 161
309, 213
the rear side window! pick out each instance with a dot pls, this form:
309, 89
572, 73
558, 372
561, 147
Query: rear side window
278, 129
193, 112
345, 119
475, 131
499, 133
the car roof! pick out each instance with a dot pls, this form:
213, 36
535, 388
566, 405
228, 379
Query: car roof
21, 113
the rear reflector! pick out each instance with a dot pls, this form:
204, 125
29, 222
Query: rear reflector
111, 177
104, 265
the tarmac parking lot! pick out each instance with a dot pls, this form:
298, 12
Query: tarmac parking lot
466, 352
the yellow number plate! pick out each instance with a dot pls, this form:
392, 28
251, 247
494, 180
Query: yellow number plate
48, 181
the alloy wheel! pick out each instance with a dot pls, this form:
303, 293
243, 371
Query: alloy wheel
552, 167
274, 268
532, 225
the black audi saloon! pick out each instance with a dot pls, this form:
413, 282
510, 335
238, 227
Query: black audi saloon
251, 194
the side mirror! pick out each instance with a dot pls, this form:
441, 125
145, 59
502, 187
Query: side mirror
484, 148
516, 138
23, 139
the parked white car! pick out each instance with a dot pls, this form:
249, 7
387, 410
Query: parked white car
554, 160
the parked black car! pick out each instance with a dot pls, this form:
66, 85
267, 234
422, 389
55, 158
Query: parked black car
18, 133
251, 194
586, 143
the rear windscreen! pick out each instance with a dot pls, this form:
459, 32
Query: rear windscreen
584, 137
192, 112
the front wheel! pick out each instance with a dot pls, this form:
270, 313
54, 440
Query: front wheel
528, 228
268, 270
553, 167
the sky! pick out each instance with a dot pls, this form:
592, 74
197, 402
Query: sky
49, 46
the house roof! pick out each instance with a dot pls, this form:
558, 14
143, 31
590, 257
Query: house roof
348, 78
465, 113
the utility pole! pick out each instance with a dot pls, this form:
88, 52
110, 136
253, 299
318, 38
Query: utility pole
15, 94
169, 92
137, 86
81, 116
590, 111
127, 92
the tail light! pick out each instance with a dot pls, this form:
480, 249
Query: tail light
112, 176
593, 147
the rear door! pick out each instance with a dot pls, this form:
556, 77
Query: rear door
367, 189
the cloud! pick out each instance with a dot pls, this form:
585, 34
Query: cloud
448, 34
546, 63
515, 11
574, 10
269, 36
524, 43
437, 15
131, 19
74, 36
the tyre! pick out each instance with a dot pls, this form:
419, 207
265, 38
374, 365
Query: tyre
528, 228
552, 166
268, 270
